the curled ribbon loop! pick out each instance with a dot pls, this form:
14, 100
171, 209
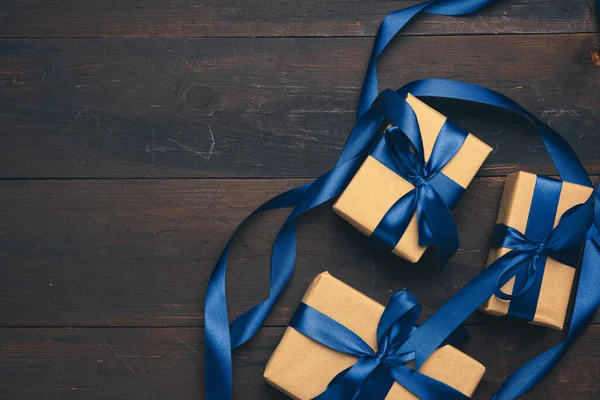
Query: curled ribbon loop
374, 373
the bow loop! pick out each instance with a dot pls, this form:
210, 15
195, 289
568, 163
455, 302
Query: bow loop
399, 316
407, 162
396, 325
396, 109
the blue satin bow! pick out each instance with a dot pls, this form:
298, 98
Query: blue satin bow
531, 248
528, 255
374, 373
433, 194
587, 301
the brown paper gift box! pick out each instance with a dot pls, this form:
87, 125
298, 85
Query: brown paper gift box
302, 368
557, 281
375, 188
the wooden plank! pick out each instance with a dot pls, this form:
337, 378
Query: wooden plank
268, 107
140, 252
146, 363
187, 18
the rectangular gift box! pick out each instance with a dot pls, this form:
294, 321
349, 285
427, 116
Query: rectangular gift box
302, 368
557, 281
375, 188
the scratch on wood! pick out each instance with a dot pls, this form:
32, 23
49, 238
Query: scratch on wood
190, 65
184, 343
205, 155
557, 112
111, 349
132, 371
174, 64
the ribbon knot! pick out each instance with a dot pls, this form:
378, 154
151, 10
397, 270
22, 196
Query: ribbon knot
419, 181
374, 373
541, 247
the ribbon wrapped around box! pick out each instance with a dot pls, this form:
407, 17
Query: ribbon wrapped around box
532, 206
342, 344
405, 189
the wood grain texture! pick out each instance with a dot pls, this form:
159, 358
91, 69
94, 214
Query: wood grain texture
103, 280
268, 107
214, 18
139, 252
154, 363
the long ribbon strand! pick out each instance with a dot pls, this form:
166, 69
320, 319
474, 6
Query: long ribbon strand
220, 337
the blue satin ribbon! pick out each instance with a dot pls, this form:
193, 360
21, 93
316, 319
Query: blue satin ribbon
540, 221
530, 250
220, 336
433, 194
374, 373
393, 23
401, 343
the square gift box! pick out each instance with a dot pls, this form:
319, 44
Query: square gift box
302, 368
375, 187
516, 211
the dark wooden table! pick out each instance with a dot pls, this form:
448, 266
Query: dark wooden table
137, 134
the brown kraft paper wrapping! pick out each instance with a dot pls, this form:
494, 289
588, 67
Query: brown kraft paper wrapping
375, 188
558, 278
302, 368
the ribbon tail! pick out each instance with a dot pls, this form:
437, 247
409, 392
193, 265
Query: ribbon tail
392, 226
438, 217
422, 386
377, 386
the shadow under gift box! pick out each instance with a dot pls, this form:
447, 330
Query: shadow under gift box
302, 368
515, 211
375, 187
